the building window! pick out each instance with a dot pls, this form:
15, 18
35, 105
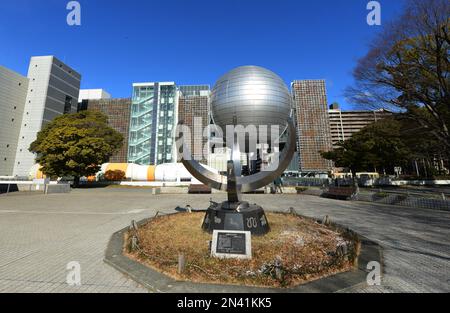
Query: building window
67, 104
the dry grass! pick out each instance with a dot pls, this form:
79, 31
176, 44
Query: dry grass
307, 251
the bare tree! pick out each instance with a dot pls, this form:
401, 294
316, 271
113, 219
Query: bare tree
407, 68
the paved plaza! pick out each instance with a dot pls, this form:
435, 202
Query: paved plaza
40, 234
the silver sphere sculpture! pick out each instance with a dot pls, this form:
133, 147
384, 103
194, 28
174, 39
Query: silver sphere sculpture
255, 95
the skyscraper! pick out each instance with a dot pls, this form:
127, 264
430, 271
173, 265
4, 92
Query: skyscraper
52, 91
13, 92
193, 106
313, 126
153, 120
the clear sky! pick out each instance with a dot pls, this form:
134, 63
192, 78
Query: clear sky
192, 41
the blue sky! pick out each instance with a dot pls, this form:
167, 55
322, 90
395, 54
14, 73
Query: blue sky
192, 41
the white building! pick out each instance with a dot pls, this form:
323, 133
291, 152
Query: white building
53, 90
13, 91
93, 94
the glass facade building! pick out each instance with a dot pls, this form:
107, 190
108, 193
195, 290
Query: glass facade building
195, 90
152, 123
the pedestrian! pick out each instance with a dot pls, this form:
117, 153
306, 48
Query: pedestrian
278, 184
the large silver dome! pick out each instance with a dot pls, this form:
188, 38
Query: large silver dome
255, 95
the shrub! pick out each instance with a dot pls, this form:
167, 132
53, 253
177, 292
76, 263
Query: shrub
115, 175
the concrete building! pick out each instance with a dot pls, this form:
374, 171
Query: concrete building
313, 126
93, 94
344, 124
53, 90
153, 121
90, 94
13, 92
193, 110
118, 113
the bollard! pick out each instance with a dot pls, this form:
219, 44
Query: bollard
278, 268
134, 225
181, 263
134, 243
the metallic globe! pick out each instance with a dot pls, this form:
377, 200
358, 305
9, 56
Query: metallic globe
254, 95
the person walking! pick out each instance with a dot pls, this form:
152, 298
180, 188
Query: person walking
278, 184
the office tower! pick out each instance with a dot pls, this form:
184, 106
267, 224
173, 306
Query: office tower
153, 121
13, 92
118, 113
193, 106
52, 91
313, 125
344, 124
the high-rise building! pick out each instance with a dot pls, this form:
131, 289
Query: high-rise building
153, 121
13, 92
118, 113
52, 91
313, 125
344, 124
193, 110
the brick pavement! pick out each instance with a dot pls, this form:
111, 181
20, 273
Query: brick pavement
40, 234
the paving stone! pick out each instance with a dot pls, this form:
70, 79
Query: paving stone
40, 234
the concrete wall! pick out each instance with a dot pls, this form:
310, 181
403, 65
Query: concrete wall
50, 83
13, 92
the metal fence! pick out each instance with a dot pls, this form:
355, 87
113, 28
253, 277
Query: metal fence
305, 182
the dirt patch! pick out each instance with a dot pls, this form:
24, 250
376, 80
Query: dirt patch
295, 251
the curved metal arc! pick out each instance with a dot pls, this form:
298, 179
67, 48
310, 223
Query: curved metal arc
247, 183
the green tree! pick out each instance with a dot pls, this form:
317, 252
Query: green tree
76, 145
352, 154
408, 68
376, 147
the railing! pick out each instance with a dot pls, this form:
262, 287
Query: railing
305, 181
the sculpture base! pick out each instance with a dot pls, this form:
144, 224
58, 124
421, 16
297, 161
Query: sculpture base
236, 216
